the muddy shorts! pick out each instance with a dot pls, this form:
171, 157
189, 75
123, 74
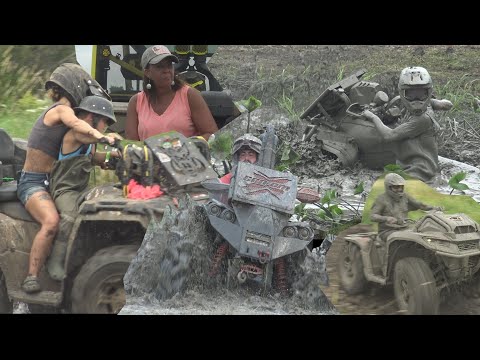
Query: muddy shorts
31, 183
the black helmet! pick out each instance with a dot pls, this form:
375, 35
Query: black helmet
76, 82
98, 105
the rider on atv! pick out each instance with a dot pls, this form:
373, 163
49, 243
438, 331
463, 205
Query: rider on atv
392, 207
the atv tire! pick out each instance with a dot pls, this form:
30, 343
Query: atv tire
415, 288
98, 287
6, 306
350, 269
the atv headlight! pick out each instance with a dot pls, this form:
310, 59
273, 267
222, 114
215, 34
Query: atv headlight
290, 231
305, 233
215, 209
228, 215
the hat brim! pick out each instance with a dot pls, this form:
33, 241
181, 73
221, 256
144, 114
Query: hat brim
159, 58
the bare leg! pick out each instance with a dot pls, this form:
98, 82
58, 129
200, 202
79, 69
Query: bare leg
42, 208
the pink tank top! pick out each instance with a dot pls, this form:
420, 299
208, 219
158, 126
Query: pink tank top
176, 117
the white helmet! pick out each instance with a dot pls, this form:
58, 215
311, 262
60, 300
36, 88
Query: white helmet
415, 88
393, 179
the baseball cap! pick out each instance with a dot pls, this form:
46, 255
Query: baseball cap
156, 53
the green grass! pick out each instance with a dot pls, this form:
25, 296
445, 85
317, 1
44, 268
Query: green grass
424, 193
19, 125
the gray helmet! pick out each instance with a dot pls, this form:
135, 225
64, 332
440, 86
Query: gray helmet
415, 88
246, 141
76, 82
98, 105
393, 179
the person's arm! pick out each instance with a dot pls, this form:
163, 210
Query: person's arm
376, 211
100, 157
414, 204
201, 115
131, 123
66, 115
407, 130
442, 105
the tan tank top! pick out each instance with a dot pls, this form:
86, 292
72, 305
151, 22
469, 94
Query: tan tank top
176, 117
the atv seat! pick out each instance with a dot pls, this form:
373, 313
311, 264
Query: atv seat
12, 155
15, 209
8, 191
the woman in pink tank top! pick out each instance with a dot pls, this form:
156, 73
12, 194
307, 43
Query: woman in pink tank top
166, 103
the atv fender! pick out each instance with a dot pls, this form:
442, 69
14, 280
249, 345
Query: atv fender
365, 242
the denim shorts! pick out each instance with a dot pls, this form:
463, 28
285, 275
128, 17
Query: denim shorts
31, 183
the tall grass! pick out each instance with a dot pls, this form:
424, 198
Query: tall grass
20, 104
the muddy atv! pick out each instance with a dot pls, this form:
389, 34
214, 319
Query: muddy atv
421, 260
346, 135
243, 236
108, 230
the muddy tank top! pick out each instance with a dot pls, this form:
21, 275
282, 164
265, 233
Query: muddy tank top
177, 117
47, 138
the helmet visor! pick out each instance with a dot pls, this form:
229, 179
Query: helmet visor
416, 94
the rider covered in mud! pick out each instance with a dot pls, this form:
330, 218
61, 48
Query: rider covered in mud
247, 148
416, 149
393, 205
71, 172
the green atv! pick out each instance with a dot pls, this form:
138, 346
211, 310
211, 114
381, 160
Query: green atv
422, 259
109, 227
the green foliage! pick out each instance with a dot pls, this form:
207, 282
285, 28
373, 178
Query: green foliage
44, 57
460, 91
341, 73
359, 189
289, 158
455, 182
221, 147
329, 210
16, 82
251, 103
286, 103
393, 168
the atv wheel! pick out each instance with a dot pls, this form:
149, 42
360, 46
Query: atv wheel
350, 269
98, 287
415, 288
6, 306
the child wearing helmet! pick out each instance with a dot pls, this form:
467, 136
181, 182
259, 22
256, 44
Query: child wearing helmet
71, 172
393, 205
67, 86
417, 151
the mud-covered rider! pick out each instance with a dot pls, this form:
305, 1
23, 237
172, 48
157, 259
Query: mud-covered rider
71, 172
417, 151
392, 207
